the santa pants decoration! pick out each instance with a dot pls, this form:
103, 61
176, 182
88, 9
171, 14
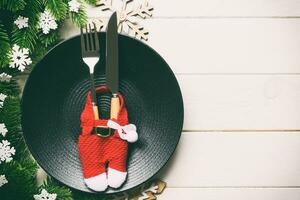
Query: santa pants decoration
103, 159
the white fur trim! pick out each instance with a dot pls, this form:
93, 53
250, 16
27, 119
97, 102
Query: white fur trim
127, 132
97, 183
115, 178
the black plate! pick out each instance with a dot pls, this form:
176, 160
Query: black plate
55, 94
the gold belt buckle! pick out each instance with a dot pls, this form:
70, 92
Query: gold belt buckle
103, 131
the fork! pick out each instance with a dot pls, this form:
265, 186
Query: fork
90, 56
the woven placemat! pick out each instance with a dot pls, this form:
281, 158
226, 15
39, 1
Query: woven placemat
55, 94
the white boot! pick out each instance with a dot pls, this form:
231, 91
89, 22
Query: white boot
115, 178
97, 183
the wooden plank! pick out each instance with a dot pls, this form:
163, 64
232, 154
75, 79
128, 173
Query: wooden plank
235, 160
224, 46
227, 8
232, 194
241, 102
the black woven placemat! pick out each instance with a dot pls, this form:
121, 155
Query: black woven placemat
55, 94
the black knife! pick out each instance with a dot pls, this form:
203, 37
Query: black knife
112, 64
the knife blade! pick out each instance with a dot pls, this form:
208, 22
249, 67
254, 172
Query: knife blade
112, 64
112, 57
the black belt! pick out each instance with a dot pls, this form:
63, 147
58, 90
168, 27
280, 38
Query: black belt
103, 131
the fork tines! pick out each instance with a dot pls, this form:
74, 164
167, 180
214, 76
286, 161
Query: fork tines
89, 41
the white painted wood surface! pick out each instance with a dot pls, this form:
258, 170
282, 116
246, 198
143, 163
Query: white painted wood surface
224, 46
241, 102
243, 59
226, 8
227, 46
238, 65
216, 8
231, 194
219, 159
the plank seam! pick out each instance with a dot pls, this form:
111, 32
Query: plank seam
238, 131
238, 187
224, 17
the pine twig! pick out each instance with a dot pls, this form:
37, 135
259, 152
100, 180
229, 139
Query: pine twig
25, 38
5, 46
58, 8
80, 18
13, 6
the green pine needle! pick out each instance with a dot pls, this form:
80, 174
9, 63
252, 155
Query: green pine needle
39, 52
10, 116
21, 184
11, 88
49, 39
26, 37
4, 46
92, 2
80, 18
52, 186
58, 8
12, 5
32, 11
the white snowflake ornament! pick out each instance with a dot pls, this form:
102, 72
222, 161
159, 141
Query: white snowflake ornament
74, 6
47, 22
21, 22
4, 77
6, 152
2, 99
3, 129
128, 15
45, 196
19, 58
3, 180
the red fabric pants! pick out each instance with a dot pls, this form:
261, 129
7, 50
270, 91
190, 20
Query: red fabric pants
98, 153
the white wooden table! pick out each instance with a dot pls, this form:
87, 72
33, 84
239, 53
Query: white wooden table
238, 65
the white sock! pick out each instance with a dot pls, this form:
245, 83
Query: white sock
115, 178
97, 183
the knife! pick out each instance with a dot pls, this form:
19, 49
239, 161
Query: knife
112, 64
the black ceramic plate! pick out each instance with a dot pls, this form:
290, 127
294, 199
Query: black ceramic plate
55, 94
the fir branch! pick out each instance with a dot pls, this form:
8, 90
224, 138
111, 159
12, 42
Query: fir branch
50, 39
39, 52
80, 18
32, 11
3, 34
52, 186
21, 184
4, 46
92, 2
10, 116
11, 88
26, 37
58, 8
12, 5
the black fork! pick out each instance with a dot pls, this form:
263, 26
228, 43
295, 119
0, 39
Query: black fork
91, 55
